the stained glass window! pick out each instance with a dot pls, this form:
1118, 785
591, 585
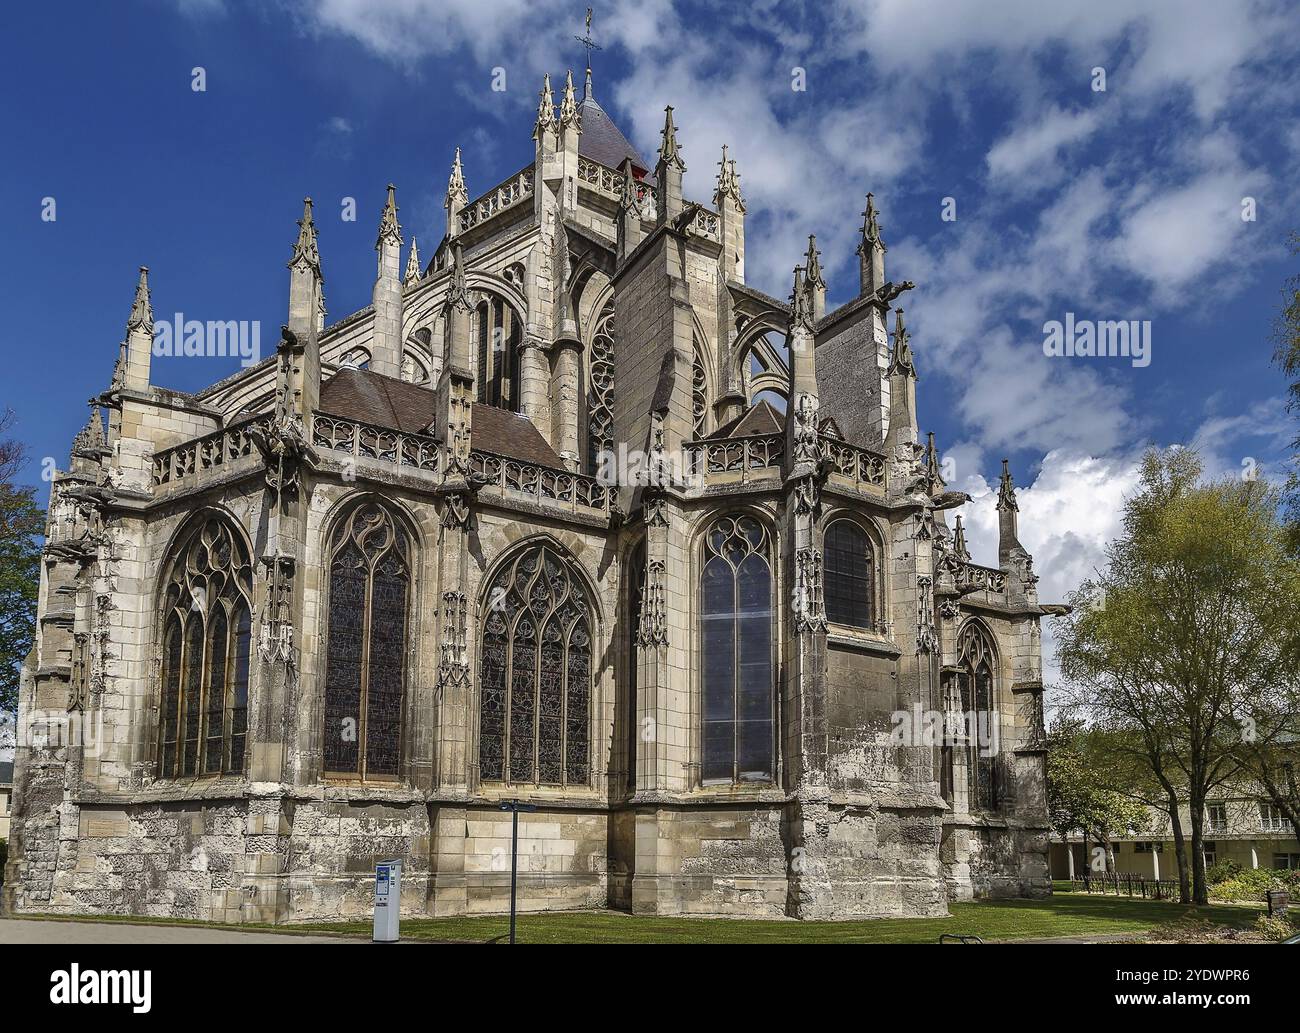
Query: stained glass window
535, 674
206, 635
848, 575
366, 628
977, 660
736, 650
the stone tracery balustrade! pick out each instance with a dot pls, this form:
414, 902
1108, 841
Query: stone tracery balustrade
210, 452
367, 442
860, 465
973, 577
706, 224
609, 182
540, 483
505, 195
735, 455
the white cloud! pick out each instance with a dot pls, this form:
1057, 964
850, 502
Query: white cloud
1030, 151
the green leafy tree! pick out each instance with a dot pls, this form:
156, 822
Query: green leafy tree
21, 524
1082, 792
1286, 337
1194, 616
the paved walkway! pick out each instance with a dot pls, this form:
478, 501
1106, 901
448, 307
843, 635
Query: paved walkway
19, 930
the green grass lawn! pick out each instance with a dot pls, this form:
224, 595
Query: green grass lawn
1059, 915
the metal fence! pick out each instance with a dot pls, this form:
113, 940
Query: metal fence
1132, 885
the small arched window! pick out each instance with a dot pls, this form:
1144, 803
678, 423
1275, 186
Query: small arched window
850, 575
370, 560
739, 743
206, 632
977, 661
497, 334
535, 674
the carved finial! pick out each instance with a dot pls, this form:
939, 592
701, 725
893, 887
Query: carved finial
800, 309
669, 152
456, 192
390, 230
545, 109
306, 255
412, 265
1007, 490
458, 295
959, 547
569, 105
871, 227
141, 317
728, 183
901, 361
932, 464
814, 264
90, 438
628, 201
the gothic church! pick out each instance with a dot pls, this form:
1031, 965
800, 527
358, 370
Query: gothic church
569, 515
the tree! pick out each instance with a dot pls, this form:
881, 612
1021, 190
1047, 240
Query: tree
1194, 617
1082, 795
21, 524
1286, 338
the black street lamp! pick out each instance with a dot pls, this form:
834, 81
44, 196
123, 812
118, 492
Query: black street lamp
514, 807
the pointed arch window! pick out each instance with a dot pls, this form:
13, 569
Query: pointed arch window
850, 575
600, 394
206, 631
497, 334
736, 616
535, 674
370, 562
977, 663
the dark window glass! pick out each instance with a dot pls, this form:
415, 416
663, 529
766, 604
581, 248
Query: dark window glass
171, 695
848, 575
239, 688
215, 721
367, 633
535, 674
207, 580
977, 661
736, 654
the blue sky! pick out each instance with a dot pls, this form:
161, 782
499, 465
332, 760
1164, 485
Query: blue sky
1122, 204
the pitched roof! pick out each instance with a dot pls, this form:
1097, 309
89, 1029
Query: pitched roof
603, 141
761, 418
359, 394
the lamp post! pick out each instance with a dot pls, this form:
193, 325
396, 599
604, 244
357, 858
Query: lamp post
514, 807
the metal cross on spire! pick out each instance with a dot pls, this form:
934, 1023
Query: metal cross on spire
587, 41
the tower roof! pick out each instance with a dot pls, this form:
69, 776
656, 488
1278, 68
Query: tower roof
602, 141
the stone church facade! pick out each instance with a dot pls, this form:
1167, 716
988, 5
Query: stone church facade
569, 515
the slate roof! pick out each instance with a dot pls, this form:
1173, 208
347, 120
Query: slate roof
359, 394
760, 419
603, 141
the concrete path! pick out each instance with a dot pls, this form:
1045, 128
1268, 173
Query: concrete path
18, 930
